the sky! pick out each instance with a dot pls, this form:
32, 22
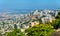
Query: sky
29, 4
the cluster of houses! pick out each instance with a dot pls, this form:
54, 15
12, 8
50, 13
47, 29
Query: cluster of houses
24, 21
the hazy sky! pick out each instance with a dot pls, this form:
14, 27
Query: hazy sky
29, 4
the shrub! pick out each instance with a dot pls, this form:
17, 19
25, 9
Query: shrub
40, 30
16, 32
56, 24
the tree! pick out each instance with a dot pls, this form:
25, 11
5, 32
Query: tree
0, 34
15, 26
40, 21
15, 32
40, 30
56, 24
58, 16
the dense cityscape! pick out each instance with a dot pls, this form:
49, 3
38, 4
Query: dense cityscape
24, 21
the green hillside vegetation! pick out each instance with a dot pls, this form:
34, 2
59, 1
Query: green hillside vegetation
40, 30
15, 32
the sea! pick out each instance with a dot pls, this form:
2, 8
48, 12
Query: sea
17, 11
